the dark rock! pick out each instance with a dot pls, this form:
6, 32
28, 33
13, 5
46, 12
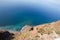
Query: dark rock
6, 35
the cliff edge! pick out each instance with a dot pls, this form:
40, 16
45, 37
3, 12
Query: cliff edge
49, 31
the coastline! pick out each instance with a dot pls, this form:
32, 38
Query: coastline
44, 31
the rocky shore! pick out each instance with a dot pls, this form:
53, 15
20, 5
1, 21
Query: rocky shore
49, 31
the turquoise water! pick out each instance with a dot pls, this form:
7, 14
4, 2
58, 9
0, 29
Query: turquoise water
16, 16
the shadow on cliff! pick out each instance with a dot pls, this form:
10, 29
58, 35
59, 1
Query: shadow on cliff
6, 35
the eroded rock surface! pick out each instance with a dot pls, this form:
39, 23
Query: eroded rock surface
49, 31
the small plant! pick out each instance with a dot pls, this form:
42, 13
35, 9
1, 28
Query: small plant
41, 31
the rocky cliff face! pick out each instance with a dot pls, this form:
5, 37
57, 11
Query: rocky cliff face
49, 31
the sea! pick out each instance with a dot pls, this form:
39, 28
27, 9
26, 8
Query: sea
15, 17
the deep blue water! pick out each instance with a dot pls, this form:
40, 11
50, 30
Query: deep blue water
14, 17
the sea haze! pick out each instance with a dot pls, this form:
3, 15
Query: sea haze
15, 15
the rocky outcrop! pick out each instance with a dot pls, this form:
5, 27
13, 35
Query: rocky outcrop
5, 35
49, 31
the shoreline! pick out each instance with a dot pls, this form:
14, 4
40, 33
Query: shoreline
44, 31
